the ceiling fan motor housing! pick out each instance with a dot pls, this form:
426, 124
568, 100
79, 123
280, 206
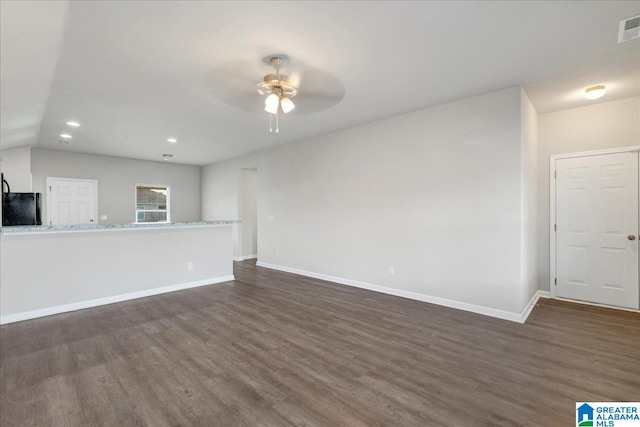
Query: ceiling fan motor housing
278, 84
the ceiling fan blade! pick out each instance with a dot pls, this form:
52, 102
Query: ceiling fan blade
234, 84
316, 80
252, 103
318, 90
309, 103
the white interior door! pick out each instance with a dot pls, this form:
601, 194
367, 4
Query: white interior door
597, 229
72, 201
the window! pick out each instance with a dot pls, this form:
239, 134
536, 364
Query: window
152, 203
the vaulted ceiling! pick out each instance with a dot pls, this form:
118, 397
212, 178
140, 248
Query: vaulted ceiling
136, 73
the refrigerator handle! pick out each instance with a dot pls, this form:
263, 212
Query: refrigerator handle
4, 181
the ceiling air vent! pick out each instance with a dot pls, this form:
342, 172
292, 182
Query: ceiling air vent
629, 29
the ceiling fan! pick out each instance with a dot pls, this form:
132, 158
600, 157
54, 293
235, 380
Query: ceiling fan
279, 90
234, 83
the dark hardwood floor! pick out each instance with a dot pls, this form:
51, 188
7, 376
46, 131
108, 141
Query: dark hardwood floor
276, 349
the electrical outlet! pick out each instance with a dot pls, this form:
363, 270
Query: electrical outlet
103, 217
189, 265
392, 270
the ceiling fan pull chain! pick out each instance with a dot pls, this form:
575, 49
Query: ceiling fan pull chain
270, 125
277, 123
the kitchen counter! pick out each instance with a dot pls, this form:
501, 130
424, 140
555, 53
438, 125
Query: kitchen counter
38, 229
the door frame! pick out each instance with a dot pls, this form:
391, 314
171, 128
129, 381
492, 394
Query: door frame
552, 207
48, 192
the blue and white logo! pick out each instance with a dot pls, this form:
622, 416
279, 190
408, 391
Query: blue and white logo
608, 414
585, 415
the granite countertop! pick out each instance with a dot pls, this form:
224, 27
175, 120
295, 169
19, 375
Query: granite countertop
37, 229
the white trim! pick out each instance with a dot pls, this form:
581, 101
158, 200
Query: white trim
135, 203
594, 304
95, 196
487, 311
629, 149
245, 257
552, 205
26, 315
532, 303
552, 226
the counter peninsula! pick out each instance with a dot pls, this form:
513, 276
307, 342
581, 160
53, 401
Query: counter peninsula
54, 269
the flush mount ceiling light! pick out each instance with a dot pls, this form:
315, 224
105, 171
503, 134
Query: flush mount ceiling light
172, 140
66, 136
73, 124
279, 90
595, 92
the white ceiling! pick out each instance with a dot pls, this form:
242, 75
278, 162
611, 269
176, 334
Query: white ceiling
30, 40
136, 73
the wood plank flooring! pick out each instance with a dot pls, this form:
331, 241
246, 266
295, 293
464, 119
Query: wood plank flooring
276, 349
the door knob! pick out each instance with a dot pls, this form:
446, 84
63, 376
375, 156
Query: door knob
631, 237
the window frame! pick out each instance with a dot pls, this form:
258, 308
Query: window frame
137, 211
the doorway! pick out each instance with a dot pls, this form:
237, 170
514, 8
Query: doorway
71, 201
247, 236
594, 227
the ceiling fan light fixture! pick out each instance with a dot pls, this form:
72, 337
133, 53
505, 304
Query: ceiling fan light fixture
595, 92
279, 89
271, 103
271, 110
287, 105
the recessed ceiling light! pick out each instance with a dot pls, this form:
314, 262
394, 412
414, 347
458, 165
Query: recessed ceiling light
172, 140
167, 157
74, 124
66, 135
595, 92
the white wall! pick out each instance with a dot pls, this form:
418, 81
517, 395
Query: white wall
117, 178
248, 213
220, 190
436, 194
219, 185
16, 166
529, 162
56, 272
600, 126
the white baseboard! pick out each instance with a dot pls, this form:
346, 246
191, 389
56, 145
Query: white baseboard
26, 315
487, 311
532, 303
242, 258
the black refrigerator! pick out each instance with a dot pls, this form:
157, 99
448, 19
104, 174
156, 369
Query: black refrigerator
20, 208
